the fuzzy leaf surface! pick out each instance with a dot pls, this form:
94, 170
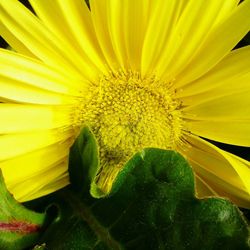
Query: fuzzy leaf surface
152, 205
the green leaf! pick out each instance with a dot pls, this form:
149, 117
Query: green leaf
83, 160
152, 205
84, 163
19, 227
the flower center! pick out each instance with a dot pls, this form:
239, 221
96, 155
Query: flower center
126, 114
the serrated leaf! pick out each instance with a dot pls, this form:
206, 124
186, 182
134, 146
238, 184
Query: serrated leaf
151, 206
19, 226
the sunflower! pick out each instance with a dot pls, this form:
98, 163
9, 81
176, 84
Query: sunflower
139, 74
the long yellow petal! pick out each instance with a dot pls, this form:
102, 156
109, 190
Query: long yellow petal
121, 47
34, 163
229, 86
21, 92
78, 17
218, 44
213, 183
23, 117
14, 43
42, 42
202, 188
38, 74
71, 22
137, 16
225, 119
231, 75
227, 131
228, 106
226, 9
31, 33
164, 17
41, 184
227, 171
100, 22
42, 190
116, 24
198, 19
12, 145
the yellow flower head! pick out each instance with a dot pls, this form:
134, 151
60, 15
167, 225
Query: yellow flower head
144, 73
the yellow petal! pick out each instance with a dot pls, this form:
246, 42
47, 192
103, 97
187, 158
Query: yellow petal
137, 16
14, 43
24, 167
225, 119
241, 166
23, 79
202, 188
229, 86
21, 118
164, 17
37, 74
212, 182
44, 44
43, 190
197, 18
78, 17
227, 131
228, 172
12, 145
20, 92
219, 42
41, 184
224, 107
71, 22
100, 22
120, 27
30, 32
116, 23
229, 76
226, 9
